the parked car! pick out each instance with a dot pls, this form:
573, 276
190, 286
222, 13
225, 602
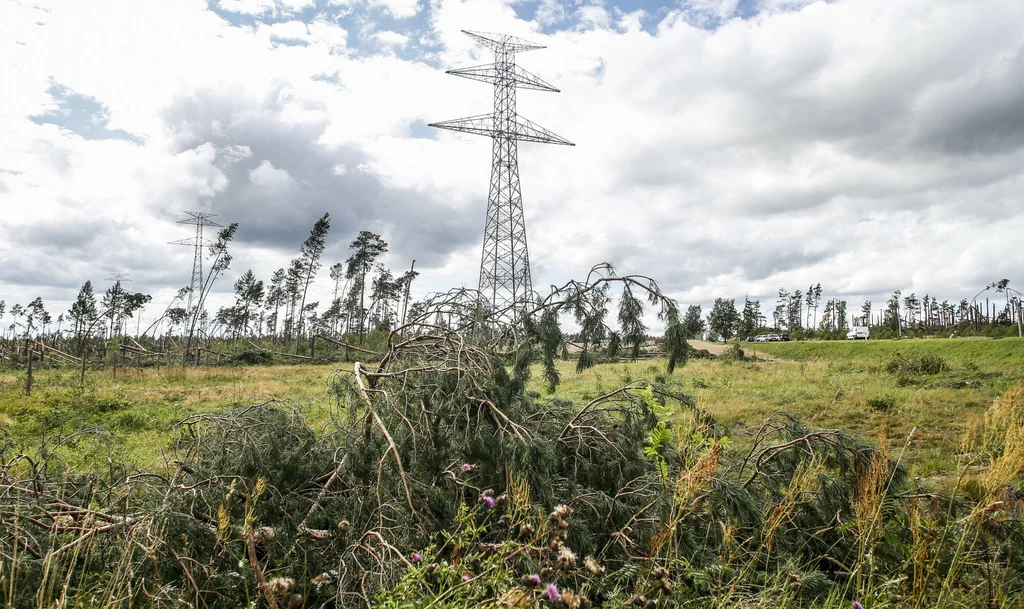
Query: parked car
858, 333
784, 337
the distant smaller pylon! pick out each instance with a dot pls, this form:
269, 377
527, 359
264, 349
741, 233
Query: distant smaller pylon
199, 220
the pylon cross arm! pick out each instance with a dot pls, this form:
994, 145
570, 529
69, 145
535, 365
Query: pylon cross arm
522, 129
502, 42
491, 73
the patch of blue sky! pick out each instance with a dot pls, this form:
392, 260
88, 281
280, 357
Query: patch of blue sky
654, 12
360, 20
419, 129
81, 114
363, 21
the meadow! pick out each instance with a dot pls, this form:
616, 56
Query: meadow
128, 416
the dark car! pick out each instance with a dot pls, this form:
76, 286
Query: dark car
785, 337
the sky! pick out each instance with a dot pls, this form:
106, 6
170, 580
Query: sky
726, 148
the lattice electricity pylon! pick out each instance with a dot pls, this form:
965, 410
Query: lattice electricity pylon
505, 264
119, 278
200, 220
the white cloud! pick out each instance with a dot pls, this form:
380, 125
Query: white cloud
391, 39
399, 9
261, 7
864, 144
270, 178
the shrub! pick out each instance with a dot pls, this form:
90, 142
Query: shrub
905, 381
733, 353
932, 364
926, 364
882, 403
253, 357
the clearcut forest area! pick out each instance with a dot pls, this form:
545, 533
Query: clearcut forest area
436, 473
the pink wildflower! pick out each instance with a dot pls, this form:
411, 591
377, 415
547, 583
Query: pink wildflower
466, 468
416, 557
857, 605
485, 497
553, 594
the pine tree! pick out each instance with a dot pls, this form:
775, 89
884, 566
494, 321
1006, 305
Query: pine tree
248, 296
693, 323
816, 300
37, 315
781, 310
794, 310
723, 318
751, 317
218, 253
809, 301
312, 248
892, 312
275, 297
83, 314
367, 248
292, 286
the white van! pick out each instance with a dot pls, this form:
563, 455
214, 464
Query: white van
858, 333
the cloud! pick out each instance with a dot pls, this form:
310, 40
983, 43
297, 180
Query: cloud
262, 7
393, 39
399, 9
288, 178
724, 147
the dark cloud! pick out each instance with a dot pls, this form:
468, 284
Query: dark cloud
71, 237
289, 179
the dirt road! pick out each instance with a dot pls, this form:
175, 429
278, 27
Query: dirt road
717, 348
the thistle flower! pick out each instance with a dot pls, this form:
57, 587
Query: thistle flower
857, 605
466, 577
466, 467
531, 581
485, 497
416, 558
553, 594
281, 585
592, 566
566, 557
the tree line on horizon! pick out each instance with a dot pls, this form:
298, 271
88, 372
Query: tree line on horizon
366, 296
797, 312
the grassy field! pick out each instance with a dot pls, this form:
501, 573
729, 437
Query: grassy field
843, 385
129, 417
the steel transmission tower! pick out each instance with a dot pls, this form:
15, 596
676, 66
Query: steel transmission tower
199, 220
505, 264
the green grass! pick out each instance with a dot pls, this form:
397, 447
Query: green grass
129, 418
1002, 354
840, 385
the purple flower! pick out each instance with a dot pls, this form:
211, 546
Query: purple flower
857, 605
466, 468
416, 557
532, 580
466, 577
553, 594
485, 497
